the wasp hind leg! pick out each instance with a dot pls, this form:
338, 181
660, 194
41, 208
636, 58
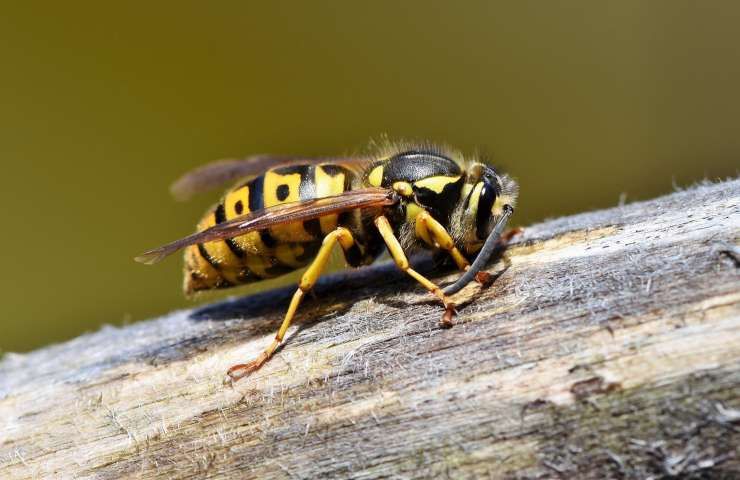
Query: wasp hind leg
308, 280
394, 247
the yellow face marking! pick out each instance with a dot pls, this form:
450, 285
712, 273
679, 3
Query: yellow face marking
403, 188
436, 184
466, 190
376, 176
474, 197
498, 205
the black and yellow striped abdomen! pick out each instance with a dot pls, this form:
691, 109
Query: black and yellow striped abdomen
269, 253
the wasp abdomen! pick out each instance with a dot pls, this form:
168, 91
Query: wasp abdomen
272, 252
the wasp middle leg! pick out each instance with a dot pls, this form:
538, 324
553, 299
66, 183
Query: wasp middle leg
342, 236
432, 231
394, 247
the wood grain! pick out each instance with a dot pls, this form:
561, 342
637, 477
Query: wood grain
608, 347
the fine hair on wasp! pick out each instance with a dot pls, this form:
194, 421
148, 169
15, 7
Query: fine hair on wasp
286, 213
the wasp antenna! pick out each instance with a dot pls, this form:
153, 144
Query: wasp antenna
484, 255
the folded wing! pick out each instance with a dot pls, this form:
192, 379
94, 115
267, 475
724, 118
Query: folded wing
221, 172
278, 215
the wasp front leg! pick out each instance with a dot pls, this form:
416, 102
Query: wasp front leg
342, 236
432, 232
394, 247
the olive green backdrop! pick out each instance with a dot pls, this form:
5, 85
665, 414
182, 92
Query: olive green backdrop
102, 104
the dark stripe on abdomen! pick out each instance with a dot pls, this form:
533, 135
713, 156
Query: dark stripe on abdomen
208, 258
333, 170
313, 228
256, 203
220, 217
278, 268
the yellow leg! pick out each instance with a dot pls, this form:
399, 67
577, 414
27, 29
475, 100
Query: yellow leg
308, 280
429, 228
436, 232
394, 247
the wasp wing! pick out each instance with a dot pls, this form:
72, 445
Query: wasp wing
216, 174
277, 215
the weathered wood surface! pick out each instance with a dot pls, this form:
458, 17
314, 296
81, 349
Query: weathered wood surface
609, 346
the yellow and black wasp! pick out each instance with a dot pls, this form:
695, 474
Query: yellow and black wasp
288, 213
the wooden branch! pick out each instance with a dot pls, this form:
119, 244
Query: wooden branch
608, 346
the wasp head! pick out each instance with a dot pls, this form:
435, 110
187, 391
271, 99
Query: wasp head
482, 203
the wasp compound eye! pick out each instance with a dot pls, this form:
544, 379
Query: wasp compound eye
486, 200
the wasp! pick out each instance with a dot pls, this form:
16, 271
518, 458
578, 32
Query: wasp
287, 213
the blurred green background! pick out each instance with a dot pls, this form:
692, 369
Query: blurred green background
103, 104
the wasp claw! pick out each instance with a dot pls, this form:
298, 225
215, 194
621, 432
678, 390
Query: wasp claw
483, 278
237, 372
446, 321
241, 370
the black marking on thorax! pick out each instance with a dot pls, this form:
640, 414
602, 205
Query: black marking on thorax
440, 205
412, 166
